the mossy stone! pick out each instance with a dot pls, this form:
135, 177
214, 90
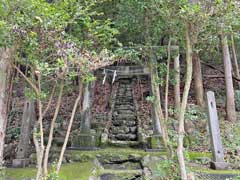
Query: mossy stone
156, 142
85, 141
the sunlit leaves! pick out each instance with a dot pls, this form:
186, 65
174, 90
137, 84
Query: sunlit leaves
5, 39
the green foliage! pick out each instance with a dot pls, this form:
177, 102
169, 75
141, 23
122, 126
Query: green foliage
5, 39
231, 141
2, 173
198, 118
150, 99
237, 99
57, 39
29, 93
195, 127
195, 113
167, 169
14, 133
53, 175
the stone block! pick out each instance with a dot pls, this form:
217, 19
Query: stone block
20, 163
156, 142
85, 141
219, 165
104, 138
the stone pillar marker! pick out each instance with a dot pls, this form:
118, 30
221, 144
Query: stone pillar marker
155, 141
86, 108
216, 143
28, 118
85, 139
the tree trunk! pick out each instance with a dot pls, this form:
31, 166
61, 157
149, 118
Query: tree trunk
177, 96
167, 80
197, 77
4, 69
184, 105
69, 128
50, 137
38, 135
235, 61
230, 104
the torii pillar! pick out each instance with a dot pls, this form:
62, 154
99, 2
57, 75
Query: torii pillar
85, 139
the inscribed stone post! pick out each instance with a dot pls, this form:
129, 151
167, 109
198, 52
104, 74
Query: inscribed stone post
85, 139
156, 140
28, 118
216, 144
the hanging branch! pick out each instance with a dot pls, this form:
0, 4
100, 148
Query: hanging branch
27, 79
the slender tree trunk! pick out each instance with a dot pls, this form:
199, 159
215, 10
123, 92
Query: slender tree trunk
69, 127
230, 104
177, 96
167, 80
4, 67
50, 137
197, 77
38, 135
235, 61
181, 130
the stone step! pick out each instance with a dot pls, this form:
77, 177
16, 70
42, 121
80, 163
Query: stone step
126, 107
124, 143
124, 97
127, 94
125, 91
123, 103
133, 119
119, 129
124, 111
123, 129
125, 116
126, 137
124, 122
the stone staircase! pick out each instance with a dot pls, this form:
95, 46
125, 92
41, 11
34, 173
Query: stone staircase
124, 120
